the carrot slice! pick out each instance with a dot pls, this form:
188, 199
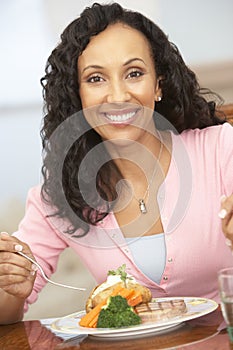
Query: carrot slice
116, 291
93, 322
86, 319
126, 293
135, 299
132, 296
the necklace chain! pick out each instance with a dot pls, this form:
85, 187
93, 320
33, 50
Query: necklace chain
141, 201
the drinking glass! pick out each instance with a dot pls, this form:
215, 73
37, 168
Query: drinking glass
225, 281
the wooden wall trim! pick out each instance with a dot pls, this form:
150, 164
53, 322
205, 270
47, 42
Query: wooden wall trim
215, 75
228, 111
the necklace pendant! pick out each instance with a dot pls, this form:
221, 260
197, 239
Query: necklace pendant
142, 206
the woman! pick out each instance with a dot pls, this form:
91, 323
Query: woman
135, 163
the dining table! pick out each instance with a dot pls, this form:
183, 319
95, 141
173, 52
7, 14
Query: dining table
208, 332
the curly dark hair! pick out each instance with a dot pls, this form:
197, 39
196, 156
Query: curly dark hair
184, 105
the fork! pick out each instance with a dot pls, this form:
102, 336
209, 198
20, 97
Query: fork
46, 278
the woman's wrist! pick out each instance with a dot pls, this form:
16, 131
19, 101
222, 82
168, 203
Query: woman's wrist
11, 308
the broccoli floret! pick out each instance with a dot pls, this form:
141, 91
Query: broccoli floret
117, 304
117, 313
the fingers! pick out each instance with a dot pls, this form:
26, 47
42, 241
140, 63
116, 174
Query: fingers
9, 245
12, 244
226, 214
17, 274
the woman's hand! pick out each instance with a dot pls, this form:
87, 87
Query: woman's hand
17, 274
226, 214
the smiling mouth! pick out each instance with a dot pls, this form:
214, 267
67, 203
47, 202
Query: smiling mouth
120, 118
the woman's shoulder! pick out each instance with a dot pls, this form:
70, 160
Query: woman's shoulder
35, 192
220, 134
34, 198
209, 142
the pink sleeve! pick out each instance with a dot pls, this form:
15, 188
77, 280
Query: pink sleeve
45, 242
226, 158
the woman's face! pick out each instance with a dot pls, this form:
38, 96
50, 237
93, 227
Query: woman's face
118, 83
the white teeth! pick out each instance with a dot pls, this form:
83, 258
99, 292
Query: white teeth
120, 118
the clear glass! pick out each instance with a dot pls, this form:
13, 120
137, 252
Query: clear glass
225, 282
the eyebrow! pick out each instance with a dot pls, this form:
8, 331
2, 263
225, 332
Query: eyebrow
132, 60
95, 66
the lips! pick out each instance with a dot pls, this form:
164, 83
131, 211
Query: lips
120, 117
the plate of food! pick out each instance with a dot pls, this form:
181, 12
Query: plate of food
121, 307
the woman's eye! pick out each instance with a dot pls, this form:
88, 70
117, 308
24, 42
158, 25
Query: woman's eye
135, 74
94, 79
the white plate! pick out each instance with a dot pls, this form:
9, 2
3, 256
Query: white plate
196, 307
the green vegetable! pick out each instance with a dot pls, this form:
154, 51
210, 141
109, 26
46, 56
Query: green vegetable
117, 313
121, 272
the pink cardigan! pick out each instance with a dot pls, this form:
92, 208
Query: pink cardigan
200, 172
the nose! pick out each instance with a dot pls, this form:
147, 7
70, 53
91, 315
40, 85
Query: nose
118, 92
